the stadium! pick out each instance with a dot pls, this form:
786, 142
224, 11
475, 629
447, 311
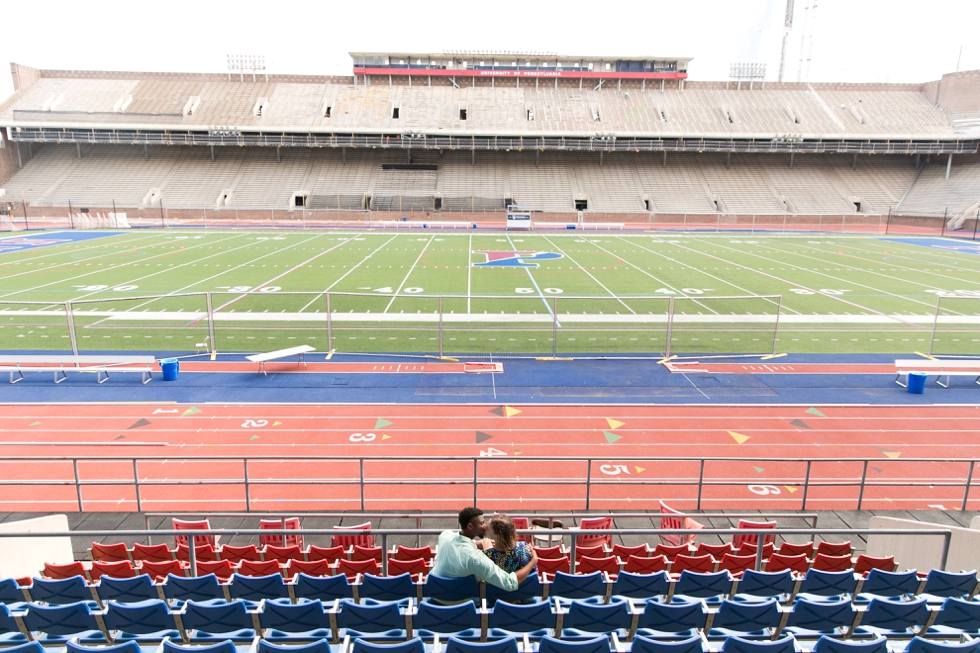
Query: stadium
712, 345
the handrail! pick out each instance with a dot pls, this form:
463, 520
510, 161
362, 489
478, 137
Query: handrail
607, 475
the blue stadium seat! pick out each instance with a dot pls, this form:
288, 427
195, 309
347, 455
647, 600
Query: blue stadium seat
595, 645
451, 589
322, 588
739, 645
387, 588
530, 590
646, 645
892, 618
11, 593
941, 585
413, 645
461, 620
287, 622
226, 646
179, 589
957, 617
319, 646
29, 647
887, 584
255, 588
745, 620
586, 617
537, 620
761, 585
711, 588
140, 621
9, 630
812, 619
372, 616
674, 621
919, 645
641, 586
834, 645
827, 585
501, 645
577, 586
125, 647
129, 590
209, 621
64, 591
56, 624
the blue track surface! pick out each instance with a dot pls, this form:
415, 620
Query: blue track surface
18, 243
523, 381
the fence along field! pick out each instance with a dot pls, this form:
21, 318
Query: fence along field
495, 293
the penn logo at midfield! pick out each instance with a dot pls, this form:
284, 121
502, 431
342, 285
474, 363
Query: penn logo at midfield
513, 259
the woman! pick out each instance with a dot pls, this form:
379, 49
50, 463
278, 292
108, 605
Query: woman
506, 552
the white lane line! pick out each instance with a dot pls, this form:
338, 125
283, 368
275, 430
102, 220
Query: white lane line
344, 275
469, 275
533, 282
405, 280
591, 276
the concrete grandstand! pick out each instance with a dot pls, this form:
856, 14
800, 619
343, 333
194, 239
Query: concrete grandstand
461, 137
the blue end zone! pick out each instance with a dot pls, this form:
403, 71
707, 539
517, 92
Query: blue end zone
944, 244
18, 243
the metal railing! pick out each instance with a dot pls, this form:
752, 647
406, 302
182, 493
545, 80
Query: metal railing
578, 488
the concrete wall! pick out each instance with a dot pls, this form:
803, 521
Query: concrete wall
26, 556
960, 92
924, 552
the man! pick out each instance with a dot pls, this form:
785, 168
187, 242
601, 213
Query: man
459, 556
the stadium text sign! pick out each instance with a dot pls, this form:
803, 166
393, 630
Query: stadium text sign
480, 72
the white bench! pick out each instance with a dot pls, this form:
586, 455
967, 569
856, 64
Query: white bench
262, 359
88, 364
939, 367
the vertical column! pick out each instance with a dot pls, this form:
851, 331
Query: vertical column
949, 164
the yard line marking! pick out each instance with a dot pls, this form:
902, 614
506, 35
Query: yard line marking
405, 280
894, 318
344, 275
186, 249
533, 282
601, 285
469, 275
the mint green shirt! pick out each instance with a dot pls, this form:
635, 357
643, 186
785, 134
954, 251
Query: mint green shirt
458, 557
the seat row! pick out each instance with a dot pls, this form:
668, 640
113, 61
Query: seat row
567, 619
712, 588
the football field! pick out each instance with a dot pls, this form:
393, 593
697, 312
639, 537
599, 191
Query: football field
430, 291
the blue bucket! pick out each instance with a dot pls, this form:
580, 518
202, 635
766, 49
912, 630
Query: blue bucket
917, 382
170, 368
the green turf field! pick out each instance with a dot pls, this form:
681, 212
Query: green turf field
612, 293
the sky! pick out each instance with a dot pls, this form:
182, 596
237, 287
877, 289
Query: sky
852, 40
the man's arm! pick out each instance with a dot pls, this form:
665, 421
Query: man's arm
523, 572
483, 568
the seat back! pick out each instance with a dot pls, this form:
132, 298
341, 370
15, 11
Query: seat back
587, 565
550, 552
822, 562
215, 617
203, 553
796, 563
959, 613
450, 589
833, 645
624, 552
67, 570
503, 645
152, 552
310, 568
446, 619
674, 617
160, 570
351, 568
129, 590
68, 619
259, 568
521, 524
672, 519
197, 588
791, 549
548, 566
387, 588
766, 583
716, 551
739, 645
596, 523
366, 553
670, 551
646, 645
700, 564
518, 618
895, 614
235, 554
827, 583
821, 615
330, 554
597, 617
370, 616
887, 583
749, 549
360, 536
597, 551
290, 523
739, 539
61, 591
142, 617
745, 617
530, 590
703, 585
411, 553
598, 644
641, 586
577, 586
115, 552
920, 645
282, 554
414, 568
866, 563
301, 617
413, 645
256, 588
835, 548
119, 569
193, 525
220, 568
734, 563
323, 588
950, 584
652, 565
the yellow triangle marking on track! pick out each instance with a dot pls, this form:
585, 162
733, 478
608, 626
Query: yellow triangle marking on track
510, 412
892, 454
738, 437
277, 423
614, 424
640, 470
789, 489
385, 437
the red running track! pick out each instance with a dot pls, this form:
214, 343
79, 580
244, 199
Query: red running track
185, 442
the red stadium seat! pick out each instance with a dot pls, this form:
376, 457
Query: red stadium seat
597, 551
220, 568
823, 562
671, 552
202, 553
596, 523
291, 523
551, 566
197, 525
409, 553
671, 519
158, 571
750, 549
716, 551
798, 564
587, 565
521, 524
152, 552
636, 565
366, 553
866, 563
417, 568
118, 569
738, 539
624, 552
58, 572
234, 554
699, 564
282, 554
109, 552
330, 554
351, 568
790, 549
551, 552
311, 568
360, 536
835, 548
259, 568
735, 564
